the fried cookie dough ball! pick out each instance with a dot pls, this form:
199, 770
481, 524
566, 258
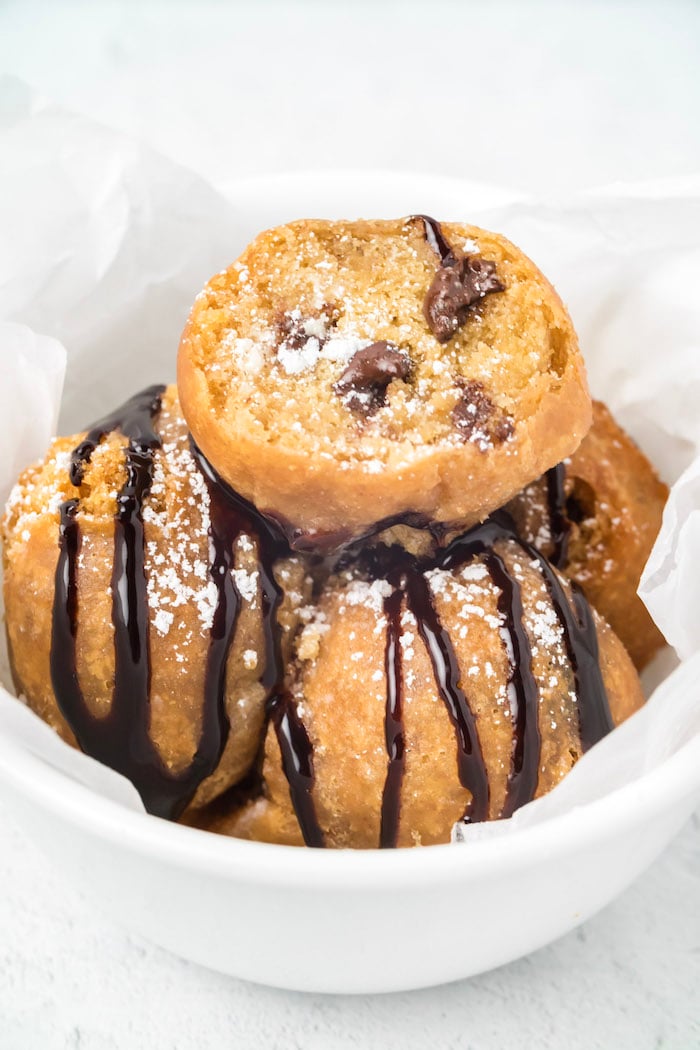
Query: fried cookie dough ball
610, 501
341, 373
154, 666
462, 689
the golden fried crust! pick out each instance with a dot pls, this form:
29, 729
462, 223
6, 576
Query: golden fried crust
615, 501
266, 413
179, 595
341, 697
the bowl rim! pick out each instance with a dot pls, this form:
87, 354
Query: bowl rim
675, 782
306, 181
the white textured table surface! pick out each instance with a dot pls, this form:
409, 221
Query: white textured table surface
533, 95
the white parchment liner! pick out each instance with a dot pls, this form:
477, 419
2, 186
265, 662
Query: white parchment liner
103, 245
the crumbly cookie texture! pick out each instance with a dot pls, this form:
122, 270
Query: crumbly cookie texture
341, 697
181, 598
614, 503
341, 373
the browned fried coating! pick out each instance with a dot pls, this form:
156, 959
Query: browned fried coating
615, 502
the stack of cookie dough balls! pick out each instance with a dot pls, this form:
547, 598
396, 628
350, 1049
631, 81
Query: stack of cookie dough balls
362, 584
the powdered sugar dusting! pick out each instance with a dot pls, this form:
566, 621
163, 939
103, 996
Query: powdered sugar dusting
337, 347
248, 353
22, 502
466, 591
177, 520
371, 595
246, 585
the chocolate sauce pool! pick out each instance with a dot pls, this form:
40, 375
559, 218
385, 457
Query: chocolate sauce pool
120, 739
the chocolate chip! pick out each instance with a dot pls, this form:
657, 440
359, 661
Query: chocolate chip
502, 429
289, 329
478, 419
292, 327
363, 383
456, 287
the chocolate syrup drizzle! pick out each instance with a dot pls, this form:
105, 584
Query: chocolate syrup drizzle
559, 524
446, 670
297, 763
237, 515
120, 738
580, 639
393, 722
522, 689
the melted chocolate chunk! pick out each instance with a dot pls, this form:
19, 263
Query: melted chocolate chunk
474, 410
477, 419
460, 283
363, 383
432, 230
456, 287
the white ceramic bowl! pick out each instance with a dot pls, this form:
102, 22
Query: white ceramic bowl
374, 921
346, 921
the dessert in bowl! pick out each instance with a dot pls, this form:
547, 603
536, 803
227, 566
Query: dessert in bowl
292, 889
